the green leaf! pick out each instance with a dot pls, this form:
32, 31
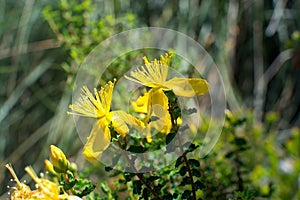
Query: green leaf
108, 168
152, 178
146, 193
179, 161
168, 196
137, 187
190, 147
199, 185
71, 177
186, 194
183, 170
194, 162
170, 137
105, 188
128, 176
196, 173
71, 181
175, 195
158, 188
185, 181
82, 187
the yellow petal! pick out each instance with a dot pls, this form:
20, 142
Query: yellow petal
158, 104
141, 104
46, 188
162, 120
179, 121
98, 141
158, 97
187, 87
121, 120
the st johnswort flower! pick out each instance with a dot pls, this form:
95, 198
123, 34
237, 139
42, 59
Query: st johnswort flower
155, 102
22, 191
98, 106
46, 189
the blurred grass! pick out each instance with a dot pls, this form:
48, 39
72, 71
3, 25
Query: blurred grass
32, 90
242, 37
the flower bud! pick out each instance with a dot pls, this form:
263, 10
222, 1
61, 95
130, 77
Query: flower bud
58, 159
73, 167
50, 168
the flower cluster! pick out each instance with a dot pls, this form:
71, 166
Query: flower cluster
46, 189
153, 103
63, 186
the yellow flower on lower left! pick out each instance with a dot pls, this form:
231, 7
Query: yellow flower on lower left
46, 189
98, 106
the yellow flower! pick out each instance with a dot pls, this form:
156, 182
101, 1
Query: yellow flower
155, 102
58, 159
46, 189
22, 191
155, 73
98, 106
157, 113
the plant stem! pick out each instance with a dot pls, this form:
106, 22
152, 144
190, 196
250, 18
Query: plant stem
188, 169
147, 185
175, 125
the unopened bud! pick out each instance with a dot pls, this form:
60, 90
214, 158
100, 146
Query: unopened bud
58, 159
73, 167
50, 168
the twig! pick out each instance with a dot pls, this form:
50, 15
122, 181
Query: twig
188, 168
175, 125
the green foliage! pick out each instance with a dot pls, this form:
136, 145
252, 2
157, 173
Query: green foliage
79, 28
229, 171
250, 160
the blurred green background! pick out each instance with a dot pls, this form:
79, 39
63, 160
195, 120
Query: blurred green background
256, 45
